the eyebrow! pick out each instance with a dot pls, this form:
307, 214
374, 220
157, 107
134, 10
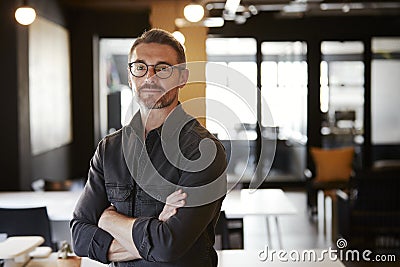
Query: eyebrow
158, 62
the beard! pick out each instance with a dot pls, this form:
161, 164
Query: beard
152, 101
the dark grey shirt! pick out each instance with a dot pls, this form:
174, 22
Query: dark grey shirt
119, 175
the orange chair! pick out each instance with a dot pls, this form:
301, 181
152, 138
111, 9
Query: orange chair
333, 169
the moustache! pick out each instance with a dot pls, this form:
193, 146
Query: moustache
151, 86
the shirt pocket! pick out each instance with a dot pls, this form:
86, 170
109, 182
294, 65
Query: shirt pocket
151, 205
121, 197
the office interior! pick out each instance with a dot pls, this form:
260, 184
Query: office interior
330, 79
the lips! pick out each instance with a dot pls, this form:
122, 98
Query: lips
147, 90
151, 88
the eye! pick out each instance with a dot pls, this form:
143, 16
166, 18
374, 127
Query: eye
163, 68
140, 66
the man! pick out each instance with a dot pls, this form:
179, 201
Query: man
120, 218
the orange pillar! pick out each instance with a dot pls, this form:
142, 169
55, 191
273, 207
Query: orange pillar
163, 15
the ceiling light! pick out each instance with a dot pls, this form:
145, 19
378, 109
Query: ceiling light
213, 22
324, 6
231, 6
240, 19
25, 15
253, 10
207, 22
346, 8
294, 8
179, 36
193, 12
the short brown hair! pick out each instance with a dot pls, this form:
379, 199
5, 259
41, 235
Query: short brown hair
160, 36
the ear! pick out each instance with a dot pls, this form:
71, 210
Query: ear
129, 79
183, 78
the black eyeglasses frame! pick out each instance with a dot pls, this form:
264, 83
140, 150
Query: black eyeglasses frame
130, 64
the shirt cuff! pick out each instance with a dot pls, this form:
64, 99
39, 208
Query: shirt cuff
141, 237
99, 246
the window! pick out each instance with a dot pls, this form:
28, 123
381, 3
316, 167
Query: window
284, 96
231, 81
284, 88
385, 93
231, 106
49, 86
342, 93
115, 96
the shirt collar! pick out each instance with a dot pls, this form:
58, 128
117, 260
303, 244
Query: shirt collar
174, 122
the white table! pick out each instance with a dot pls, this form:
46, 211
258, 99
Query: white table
251, 204
60, 206
52, 261
269, 203
15, 251
226, 258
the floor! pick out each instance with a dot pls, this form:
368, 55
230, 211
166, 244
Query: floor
300, 232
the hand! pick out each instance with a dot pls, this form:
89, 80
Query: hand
105, 216
117, 253
174, 201
120, 227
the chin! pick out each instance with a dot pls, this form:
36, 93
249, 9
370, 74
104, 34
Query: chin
164, 101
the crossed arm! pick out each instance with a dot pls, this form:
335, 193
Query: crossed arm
120, 227
115, 237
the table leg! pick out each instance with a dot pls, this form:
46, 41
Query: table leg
321, 213
269, 237
278, 230
328, 219
255, 232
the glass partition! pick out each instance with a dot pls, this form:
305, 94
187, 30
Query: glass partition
115, 96
233, 85
284, 93
238, 63
342, 93
385, 93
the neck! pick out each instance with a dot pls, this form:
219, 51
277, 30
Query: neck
154, 118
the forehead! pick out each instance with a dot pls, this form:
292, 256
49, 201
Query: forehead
152, 53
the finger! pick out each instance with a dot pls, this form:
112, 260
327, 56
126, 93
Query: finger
172, 196
178, 198
172, 213
177, 192
175, 198
166, 214
177, 204
169, 199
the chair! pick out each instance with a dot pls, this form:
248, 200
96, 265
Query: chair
227, 229
369, 215
333, 171
221, 229
27, 222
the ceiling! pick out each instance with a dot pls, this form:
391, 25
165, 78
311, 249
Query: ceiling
248, 8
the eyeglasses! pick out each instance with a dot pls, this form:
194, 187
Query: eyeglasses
162, 70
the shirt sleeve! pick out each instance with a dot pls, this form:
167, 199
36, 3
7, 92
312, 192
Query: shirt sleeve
88, 239
168, 241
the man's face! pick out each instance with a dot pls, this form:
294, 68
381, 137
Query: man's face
152, 91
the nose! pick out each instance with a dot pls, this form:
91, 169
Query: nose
150, 72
